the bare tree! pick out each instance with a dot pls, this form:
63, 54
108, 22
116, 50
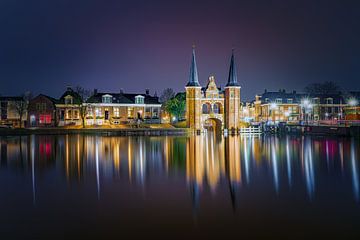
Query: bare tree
84, 95
322, 88
166, 95
21, 106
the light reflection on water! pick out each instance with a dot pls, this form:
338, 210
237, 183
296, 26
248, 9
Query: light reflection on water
236, 166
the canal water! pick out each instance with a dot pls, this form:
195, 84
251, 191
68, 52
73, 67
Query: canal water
87, 186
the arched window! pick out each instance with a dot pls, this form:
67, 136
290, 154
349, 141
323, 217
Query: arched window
217, 108
206, 108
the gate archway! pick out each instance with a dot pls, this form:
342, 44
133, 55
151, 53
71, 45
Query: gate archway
213, 125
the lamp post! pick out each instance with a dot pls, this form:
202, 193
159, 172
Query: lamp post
306, 107
353, 102
273, 106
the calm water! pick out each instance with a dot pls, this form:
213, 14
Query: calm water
96, 186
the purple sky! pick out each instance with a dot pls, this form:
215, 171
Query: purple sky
46, 45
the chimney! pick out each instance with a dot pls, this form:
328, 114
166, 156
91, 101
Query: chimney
265, 90
121, 90
95, 91
147, 91
294, 92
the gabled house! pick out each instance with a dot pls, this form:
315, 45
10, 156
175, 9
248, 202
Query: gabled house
42, 111
68, 108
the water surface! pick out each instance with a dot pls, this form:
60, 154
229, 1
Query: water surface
79, 186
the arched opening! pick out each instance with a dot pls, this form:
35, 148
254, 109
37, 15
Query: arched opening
206, 108
213, 124
217, 108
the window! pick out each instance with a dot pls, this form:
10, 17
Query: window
278, 100
116, 112
107, 99
217, 108
155, 113
62, 115
45, 118
76, 114
316, 100
89, 112
329, 101
206, 108
68, 100
68, 114
139, 99
98, 112
130, 112
266, 100
290, 100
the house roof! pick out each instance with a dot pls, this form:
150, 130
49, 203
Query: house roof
125, 98
70, 92
297, 97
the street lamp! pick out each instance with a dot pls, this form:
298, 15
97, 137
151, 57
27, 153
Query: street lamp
306, 107
273, 106
353, 102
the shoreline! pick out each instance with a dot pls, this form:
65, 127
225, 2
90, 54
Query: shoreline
97, 131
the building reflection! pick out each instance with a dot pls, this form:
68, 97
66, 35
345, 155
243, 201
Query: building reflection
206, 162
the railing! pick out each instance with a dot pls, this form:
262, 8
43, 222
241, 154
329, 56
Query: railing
250, 130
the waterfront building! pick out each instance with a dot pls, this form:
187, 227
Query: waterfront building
105, 108
211, 107
42, 111
293, 107
280, 106
10, 111
68, 108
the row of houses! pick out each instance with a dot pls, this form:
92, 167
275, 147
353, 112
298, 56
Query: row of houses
109, 108
293, 107
101, 108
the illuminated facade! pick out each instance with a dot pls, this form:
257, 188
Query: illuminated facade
68, 108
9, 115
121, 108
292, 107
210, 107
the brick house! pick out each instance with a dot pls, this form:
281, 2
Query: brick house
42, 111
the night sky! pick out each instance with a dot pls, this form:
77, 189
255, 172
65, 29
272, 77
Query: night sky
47, 45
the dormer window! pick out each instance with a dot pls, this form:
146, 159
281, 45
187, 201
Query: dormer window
139, 99
278, 100
68, 99
290, 100
107, 98
329, 101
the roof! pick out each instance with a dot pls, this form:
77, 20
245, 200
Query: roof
297, 97
232, 80
124, 98
70, 92
193, 77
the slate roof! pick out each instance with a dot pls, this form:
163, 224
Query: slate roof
76, 97
232, 80
297, 97
125, 98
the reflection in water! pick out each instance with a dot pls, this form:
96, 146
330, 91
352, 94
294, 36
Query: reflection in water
354, 171
207, 161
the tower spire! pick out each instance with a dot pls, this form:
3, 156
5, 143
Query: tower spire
193, 78
232, 80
